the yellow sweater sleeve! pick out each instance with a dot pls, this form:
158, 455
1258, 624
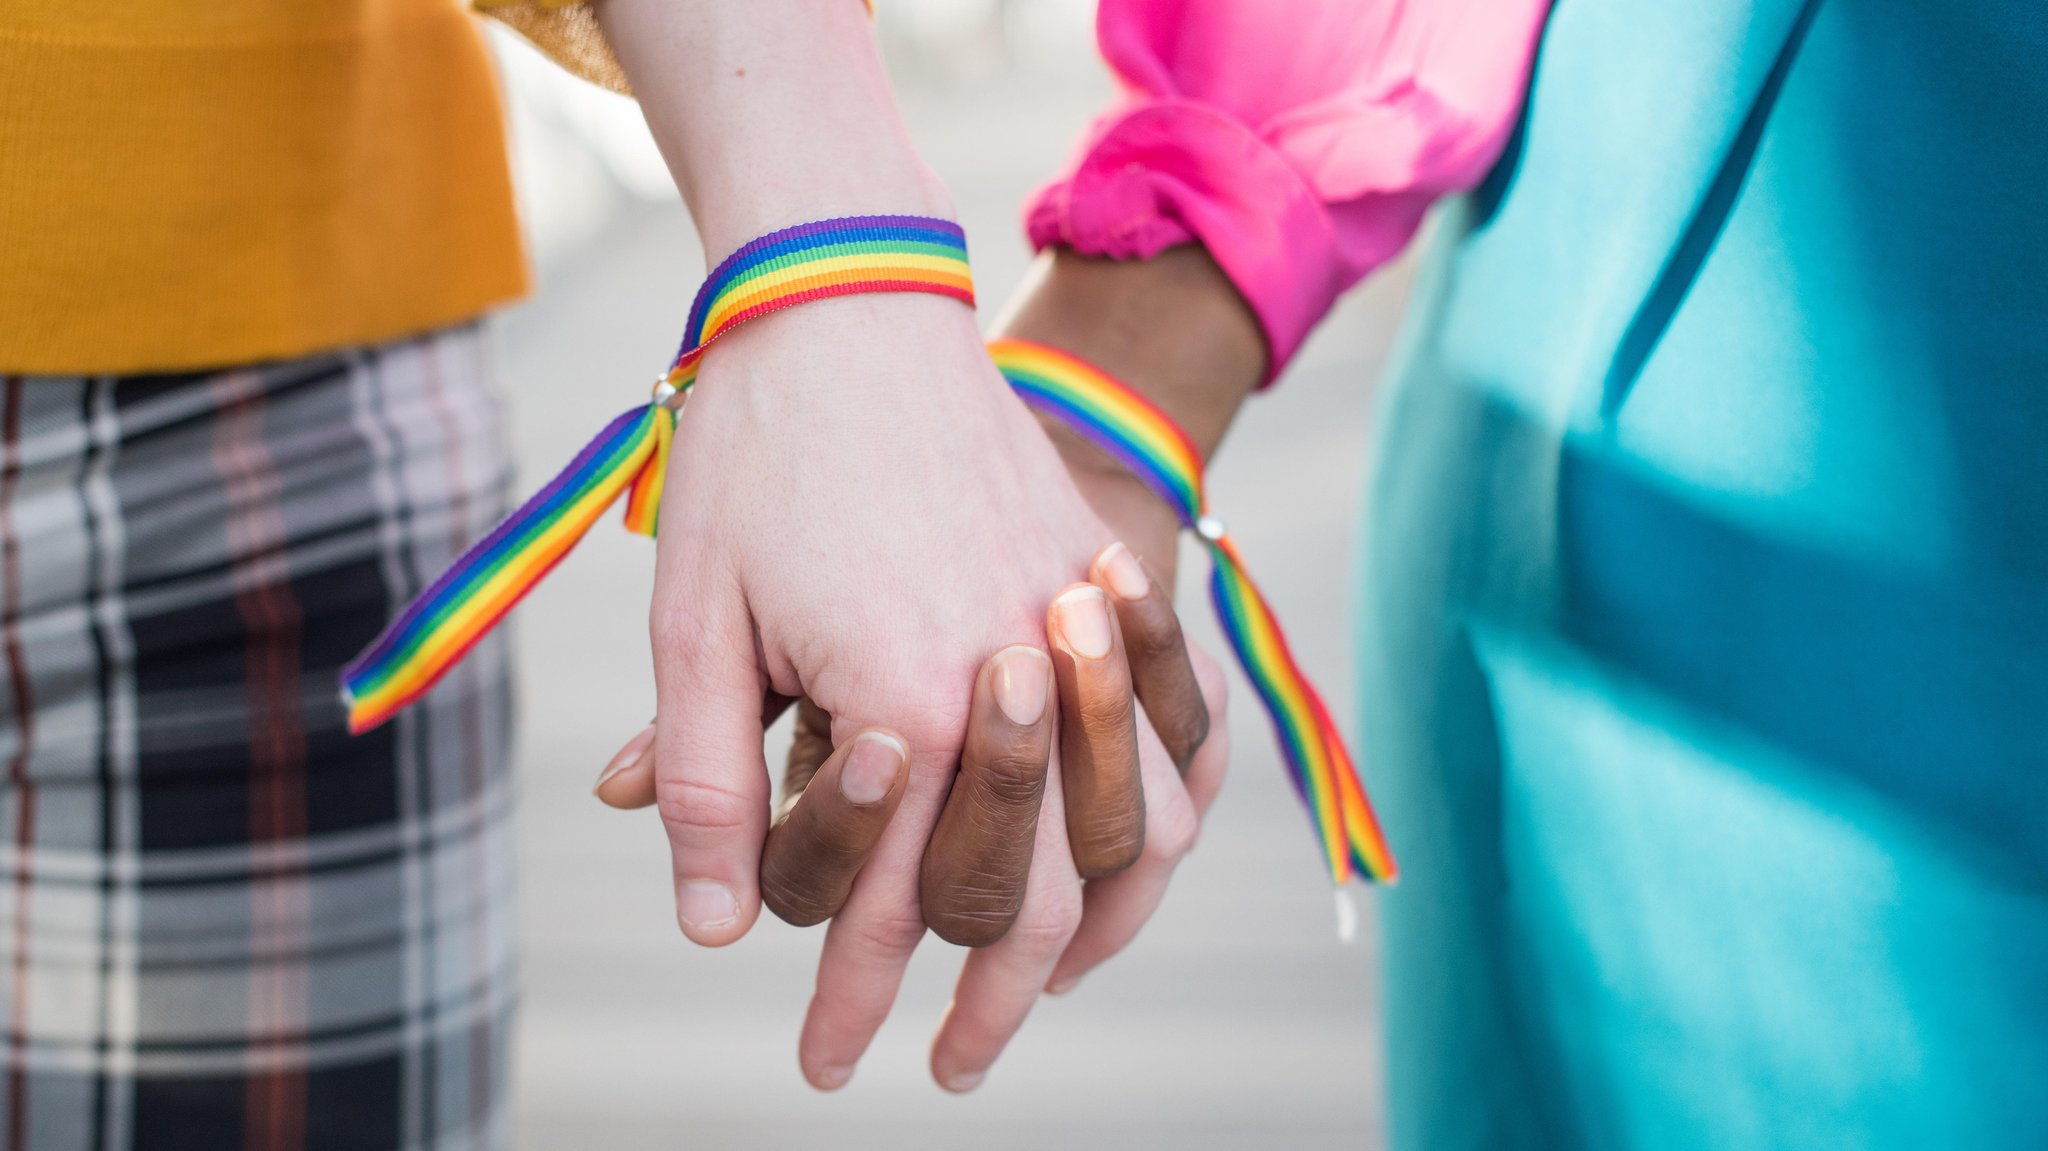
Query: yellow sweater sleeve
567, 31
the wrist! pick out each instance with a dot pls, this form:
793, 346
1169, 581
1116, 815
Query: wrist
770, 113
1172, 328
729, 214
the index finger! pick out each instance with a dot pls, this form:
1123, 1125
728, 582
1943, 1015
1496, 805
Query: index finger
1105, 797
1161, 671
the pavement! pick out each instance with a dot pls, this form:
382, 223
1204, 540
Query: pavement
1237, 1020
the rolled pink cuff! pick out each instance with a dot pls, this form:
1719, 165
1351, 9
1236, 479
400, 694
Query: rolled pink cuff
1174, 173
1300, 141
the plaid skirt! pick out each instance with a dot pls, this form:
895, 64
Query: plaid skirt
227, 923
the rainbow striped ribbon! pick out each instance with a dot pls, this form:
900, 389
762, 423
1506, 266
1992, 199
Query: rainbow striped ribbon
808, 262
1131, 429
630, 456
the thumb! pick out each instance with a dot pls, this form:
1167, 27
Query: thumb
710, 782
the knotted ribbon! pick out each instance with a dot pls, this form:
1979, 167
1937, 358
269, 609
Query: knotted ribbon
813, 261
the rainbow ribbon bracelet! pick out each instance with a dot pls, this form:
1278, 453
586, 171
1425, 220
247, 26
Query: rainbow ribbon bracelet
814, 261
1142, 438
630, 456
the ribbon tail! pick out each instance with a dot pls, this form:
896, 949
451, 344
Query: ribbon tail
460, 607
1371, 857
643, 503
1323, 772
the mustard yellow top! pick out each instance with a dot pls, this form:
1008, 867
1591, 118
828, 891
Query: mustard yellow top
202, 184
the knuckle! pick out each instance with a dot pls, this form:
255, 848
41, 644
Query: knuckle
1109, 706
889, 933
1002, 751
1046, 928
1170, 836
702, 806
679, 626
1109, 742
973, 911
1010, 787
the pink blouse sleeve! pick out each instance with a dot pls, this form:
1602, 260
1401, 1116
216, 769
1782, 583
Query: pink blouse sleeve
1299, 140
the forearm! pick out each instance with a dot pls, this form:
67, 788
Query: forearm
1173, 328
769, 113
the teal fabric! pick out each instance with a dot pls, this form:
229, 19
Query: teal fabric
1705, 610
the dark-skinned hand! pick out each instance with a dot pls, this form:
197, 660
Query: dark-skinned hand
1118, 705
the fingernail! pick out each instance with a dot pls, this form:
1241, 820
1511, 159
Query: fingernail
1019, 683
831, 1078
1084, 621
965, 1081
706, 903
870, 768
1062, 986
627, 756
1126, 575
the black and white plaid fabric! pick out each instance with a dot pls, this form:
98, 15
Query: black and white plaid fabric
227, 924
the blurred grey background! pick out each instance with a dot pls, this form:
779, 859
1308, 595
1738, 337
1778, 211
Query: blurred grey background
1237, 1019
